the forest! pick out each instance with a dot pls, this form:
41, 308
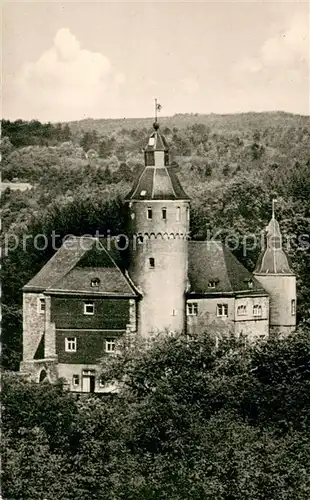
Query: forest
246, 434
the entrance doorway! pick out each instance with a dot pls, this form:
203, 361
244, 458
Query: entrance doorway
88, 381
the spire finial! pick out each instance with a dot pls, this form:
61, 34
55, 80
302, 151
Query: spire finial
274, 201
157, 108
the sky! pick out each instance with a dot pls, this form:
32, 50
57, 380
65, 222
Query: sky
65, 61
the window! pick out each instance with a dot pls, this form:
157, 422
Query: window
76, 380
222, 310
178, 214
41, 306
101, 381
164, 213
149, 158
152, 141
250, 284
89, 308
212, 284
257, 310
110, 345
293, 307
70, 344
95, 282
241, 310
149, 213
143, 192
152, 262
166, 158
192, 309
187, 214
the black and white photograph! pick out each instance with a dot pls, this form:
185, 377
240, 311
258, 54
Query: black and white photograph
155, 250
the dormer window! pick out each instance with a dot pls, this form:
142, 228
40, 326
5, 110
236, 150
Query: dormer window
250, 284
149, 213
212, 284
95, 282
152, 141
143, 192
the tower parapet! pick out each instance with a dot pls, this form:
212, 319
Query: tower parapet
159, 219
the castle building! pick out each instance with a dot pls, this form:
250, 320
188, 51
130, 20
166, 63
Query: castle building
85, 297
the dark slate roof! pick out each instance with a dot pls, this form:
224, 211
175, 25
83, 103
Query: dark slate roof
157, 142
61, 263
78, 280
75, 264
157, 183
212, 261
273, 259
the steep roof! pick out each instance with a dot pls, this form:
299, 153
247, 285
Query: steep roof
273, 259
157, 181
212, 261
73, 267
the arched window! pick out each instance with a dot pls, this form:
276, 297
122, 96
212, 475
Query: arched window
152, 262
149, 213
164, 213
42, 376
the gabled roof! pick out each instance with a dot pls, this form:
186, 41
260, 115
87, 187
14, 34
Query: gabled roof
212, 261
73, 267
273, 259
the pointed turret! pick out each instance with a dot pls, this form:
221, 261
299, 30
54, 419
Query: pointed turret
273, 271
273, 260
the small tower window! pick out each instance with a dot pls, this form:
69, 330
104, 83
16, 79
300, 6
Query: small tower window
164, 213
187, 213
149, 159
41, 306
149, 213
166, 158
178, 214
293, 307
152, 262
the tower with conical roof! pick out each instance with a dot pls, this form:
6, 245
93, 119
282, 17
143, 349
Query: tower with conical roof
273, 271
159, 218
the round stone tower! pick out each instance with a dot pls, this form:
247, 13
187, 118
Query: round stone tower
159, 215
274, 273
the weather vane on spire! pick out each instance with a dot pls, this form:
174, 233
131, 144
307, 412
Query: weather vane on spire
274, 201
157, 108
